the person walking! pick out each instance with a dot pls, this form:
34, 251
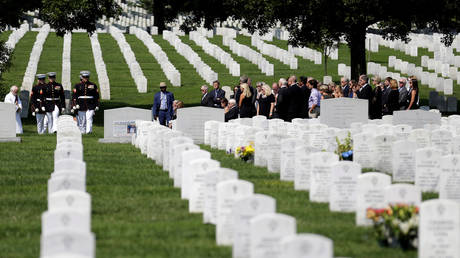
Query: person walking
85, 102
38, 103
54, 101
162, 108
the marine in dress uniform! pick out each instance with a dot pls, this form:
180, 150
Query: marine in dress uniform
37, 101
85, 101
54, 101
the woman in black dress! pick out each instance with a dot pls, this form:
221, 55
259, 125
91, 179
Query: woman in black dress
412, 96
393, 98
245, 102
266, 102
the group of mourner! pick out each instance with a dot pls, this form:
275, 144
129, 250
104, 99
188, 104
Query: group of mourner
291, 98
47, 101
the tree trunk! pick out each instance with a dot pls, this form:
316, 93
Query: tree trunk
158, 11
357, 43
325, 61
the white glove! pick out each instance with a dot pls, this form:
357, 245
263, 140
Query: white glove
33, 113
96, 109
62, 110
77, 107
72, 111
43, 109
36, 110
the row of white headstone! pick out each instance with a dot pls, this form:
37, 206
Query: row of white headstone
15, 36
307, 53
130, 58
244, 220
66, 225
216, 52
66, 62
439, 67
287, 58
226, 32
31, 70
250, 54
204, 70
432, 43
431, 79
101, 69
160, 56
341, 184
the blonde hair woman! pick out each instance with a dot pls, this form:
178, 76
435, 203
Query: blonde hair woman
247, 108
337, 91
266, 102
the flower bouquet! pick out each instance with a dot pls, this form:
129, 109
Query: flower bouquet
396, 225
345, 149
245, 153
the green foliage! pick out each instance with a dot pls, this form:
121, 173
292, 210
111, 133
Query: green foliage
346, 146
66, 15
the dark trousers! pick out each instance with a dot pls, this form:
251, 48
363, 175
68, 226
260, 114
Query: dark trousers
164, 117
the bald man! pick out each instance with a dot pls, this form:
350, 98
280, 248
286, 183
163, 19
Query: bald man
13, 98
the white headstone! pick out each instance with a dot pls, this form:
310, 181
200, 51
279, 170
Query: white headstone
363, 149
119, 123
66, 182
302, 175
321, 167
449, 183
403, 194
187, 171
191, 120
371, 194
70, 199
307, 246
8, 124
344, 186
177, 161
260, 145
341, 112
287, 166
65, 219
383, 152
198, 170
427, 169
173, 143
273, 151
439, 229
404, 161
267, 231
416, 118
212, 178
228, 192
66, 243
243, 211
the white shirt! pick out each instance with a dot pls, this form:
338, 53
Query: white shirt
10, 98
163, 101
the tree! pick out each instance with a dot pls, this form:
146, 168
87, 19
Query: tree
317, 23
163, 11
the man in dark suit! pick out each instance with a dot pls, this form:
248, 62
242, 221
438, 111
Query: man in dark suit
231, 111
282, 101
296, 99
206, 99
365, 91
217, 94
162, 108
345, 83
402, 94
306, 95
385, 93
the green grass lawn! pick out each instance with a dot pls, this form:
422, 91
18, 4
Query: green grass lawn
136, 210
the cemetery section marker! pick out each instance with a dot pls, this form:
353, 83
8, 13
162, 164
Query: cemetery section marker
341, 112
191, 120
119, 123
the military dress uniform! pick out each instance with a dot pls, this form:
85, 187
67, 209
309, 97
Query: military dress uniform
54, 102
85, 101
37, 101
